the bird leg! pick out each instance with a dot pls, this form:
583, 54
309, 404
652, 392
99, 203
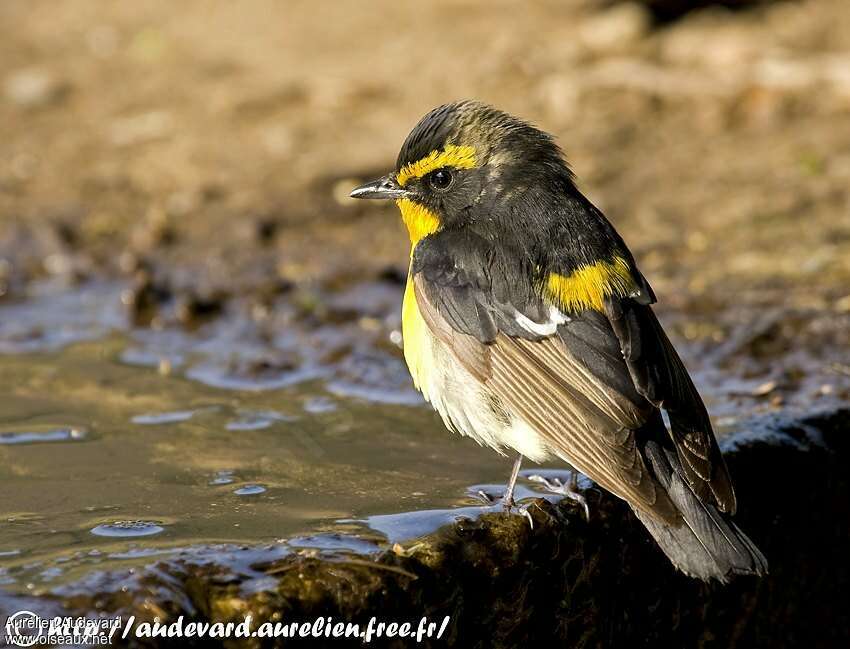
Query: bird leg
508, 502
508, 499
568, 489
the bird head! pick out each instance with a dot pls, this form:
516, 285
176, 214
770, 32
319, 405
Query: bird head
466, 164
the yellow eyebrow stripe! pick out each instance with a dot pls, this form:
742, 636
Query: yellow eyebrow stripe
459, 157
588, 286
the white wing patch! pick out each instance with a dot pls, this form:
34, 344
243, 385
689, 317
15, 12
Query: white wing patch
556, 317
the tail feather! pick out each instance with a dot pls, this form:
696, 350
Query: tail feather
707, 544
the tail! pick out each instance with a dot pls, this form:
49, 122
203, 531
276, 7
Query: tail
706, 544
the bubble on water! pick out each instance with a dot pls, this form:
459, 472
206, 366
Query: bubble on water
125, 529
256, 420
40, 437
163, 417
250, 490
223, 477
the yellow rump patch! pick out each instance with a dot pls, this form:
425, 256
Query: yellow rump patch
420, 221
588, 286
459, 157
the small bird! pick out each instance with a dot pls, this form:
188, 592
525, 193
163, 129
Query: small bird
528, 326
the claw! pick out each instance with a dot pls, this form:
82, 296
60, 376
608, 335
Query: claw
508, 503
567, 489
524, 512
485, 497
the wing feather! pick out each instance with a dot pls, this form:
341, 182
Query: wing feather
661, 377
580, 431
580, 417
590, 383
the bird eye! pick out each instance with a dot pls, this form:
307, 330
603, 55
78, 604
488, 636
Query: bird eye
441, 179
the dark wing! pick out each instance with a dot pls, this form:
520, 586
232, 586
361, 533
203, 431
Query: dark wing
567, 379
660, 376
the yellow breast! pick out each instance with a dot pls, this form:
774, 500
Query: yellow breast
418, 352
417, 339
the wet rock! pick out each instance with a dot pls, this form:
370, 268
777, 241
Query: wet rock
193, 309
144, 298
156, 298
580, 583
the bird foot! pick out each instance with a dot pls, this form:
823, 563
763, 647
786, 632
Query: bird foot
508, 502
568, 489
508, 505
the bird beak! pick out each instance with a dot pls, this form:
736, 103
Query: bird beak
385, 188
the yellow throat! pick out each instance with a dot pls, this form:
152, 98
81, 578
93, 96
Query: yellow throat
420, 223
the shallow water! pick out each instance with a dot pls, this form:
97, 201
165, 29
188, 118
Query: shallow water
121, 444
106, 457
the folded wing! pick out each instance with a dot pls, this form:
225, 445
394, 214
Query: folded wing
564, 376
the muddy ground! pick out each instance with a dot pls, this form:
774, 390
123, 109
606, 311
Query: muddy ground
217, 141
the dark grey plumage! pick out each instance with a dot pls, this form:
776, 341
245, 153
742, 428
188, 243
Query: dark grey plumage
585, 381
708, 543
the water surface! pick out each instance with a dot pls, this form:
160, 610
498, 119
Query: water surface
117, 444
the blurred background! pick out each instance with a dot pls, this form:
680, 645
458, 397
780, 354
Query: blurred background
224, 132
194, 313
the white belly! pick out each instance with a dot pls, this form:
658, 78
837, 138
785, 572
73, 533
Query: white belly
461, 399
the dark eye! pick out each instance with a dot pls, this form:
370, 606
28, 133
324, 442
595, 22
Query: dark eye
441, 179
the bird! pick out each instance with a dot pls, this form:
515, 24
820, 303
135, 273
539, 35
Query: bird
528, 326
